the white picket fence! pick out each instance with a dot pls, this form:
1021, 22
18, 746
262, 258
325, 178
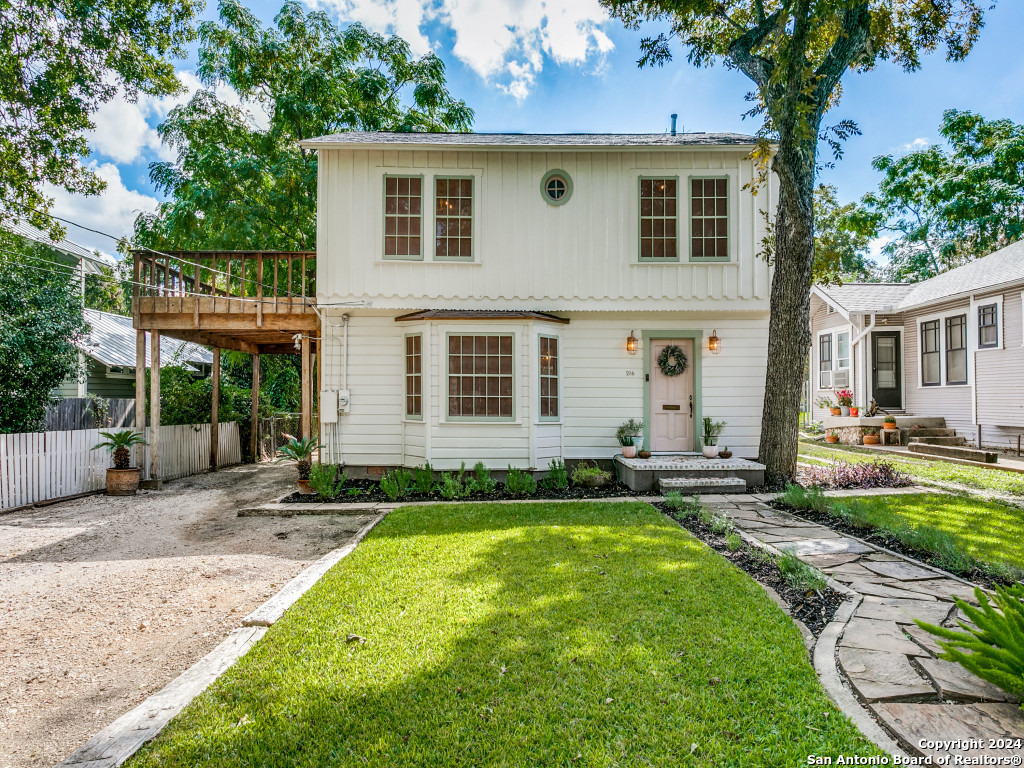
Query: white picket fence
41, 466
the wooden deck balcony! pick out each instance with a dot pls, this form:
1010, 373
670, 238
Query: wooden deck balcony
244, 300
249, 301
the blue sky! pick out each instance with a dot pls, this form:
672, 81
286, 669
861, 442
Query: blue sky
535, 66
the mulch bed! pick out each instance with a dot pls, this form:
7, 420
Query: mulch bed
815, 609
369, 491
881, 539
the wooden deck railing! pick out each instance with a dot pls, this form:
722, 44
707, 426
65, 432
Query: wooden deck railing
261, 277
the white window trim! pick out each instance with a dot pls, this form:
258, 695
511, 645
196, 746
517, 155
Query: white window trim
815, 358
974, 327
517, 372
429, 176
971, 346
546, 420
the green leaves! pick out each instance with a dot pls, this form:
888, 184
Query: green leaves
841, 237
239, 179
944, 208
59, 62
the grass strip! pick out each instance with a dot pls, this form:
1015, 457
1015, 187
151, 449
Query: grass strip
577, 634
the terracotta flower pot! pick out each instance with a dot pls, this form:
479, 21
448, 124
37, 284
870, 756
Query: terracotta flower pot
835, 411
870, 439
889, 425
304, 486
628, 451
122, 482
831, 438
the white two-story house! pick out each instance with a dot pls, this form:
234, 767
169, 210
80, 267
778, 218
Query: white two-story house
505, 297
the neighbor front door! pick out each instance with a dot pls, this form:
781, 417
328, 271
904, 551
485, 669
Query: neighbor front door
671, 401
886, 373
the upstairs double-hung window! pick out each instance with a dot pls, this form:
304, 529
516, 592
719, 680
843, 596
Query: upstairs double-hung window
403, 217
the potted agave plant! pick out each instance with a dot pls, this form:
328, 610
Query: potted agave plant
122, 478
889, 422
299, 450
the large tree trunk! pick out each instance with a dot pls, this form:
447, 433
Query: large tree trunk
789, 334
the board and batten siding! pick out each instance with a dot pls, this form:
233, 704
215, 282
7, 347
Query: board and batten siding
601, 386
999, 374
578, 256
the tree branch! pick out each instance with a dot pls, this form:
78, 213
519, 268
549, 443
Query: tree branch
850, 46
741, 50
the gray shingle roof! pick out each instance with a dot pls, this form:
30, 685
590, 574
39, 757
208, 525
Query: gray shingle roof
867, 297
1003, 266
112, 341
485, 140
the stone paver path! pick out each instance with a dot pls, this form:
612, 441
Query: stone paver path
887, 659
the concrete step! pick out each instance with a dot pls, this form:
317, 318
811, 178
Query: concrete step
954, 452
930, 432
945, 440
689, 485
920, 422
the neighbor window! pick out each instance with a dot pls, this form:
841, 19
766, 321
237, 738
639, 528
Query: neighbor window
930, 353
825, 361
403, 216
414, 376
988, 327
709, 219
956, 349
843, 350
658, 217
453, 219
480, 377
548, 377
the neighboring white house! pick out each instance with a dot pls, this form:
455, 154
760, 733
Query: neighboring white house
951, 346
477, 294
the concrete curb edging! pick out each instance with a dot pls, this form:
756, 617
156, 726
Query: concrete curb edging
116, 743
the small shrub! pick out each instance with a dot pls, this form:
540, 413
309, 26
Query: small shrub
396, 484
721, 525
519, 483
811, 498
733, 542
423, 479
452, 485
481, 480
584, 472
322, 479
842, 474
558, 476
995, 650
674, 500
799, 574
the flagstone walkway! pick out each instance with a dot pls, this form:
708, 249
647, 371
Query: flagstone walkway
888, 660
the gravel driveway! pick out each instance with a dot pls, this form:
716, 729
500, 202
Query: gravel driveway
104, 600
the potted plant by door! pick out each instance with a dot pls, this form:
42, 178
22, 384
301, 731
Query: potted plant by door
301, 452
630, 435
845, 399
725, 453
825, 403
854, 410
712, 430
889, 422
122, 478
871, 436
831, 436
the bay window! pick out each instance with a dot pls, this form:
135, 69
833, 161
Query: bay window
480, 377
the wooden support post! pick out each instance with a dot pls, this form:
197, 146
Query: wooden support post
307, 386
215, 411
254, 423
140, 391
154, 409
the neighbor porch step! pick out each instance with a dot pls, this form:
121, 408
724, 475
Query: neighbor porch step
951, 440
930, 432
954, 452
690, 485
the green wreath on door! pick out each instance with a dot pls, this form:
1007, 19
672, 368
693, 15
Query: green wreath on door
672, 360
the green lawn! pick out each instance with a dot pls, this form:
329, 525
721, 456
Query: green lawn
1010, 483
583, 634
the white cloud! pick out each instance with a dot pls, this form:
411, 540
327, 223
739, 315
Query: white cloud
113, 211
126, 131
503, 41
915, 145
